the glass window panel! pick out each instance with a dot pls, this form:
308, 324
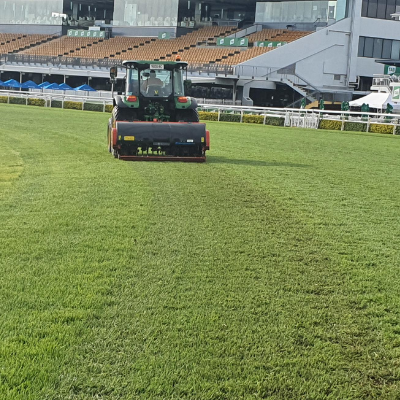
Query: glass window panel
368, 47
299, 16
364, 8
341, 9
43, 12
307, 14
260, 10
395, 50
378, 43
145, 12
286, 9
387, 48
372, 8
294, 11
391, 8
381, 13
361, 46
276, 12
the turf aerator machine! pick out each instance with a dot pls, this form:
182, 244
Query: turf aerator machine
154, 120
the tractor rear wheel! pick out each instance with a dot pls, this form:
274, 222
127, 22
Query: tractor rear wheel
187, 116
109, 139
123, 114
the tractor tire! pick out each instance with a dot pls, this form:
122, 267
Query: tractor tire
187, 116
109, 139
123, 114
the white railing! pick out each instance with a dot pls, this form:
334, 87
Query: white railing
306, 118
59, 95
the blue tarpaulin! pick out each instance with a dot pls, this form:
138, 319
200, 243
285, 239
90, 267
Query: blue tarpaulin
29, 85
86, 88
64, 86
42, 85
12, 83
53, 86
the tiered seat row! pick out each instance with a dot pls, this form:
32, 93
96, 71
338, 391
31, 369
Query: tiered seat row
127, 47
283, 35
64, 46
190, 48
15, 42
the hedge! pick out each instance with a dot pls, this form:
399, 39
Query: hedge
93, 107
331, 125
208, 116
253, 119
37, 102
72, 105
213, 116
229, 117
17, 100
55, 103
275, 121
381, 128
355, 127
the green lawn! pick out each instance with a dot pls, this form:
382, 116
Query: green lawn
271, 271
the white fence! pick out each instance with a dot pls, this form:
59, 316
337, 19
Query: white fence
59, 95
302, 118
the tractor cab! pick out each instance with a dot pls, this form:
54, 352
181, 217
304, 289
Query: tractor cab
154, 91
155, 80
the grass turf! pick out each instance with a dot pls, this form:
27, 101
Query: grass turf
270, 271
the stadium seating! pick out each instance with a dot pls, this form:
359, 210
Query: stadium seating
63, 46
16, 42
196, 47
283, 35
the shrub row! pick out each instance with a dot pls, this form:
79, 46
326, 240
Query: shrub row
71, 105
213, 116
357, 127
17, 100
37, 102
208, 116
247, 118
277, 121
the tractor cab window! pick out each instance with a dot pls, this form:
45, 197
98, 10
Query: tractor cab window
133, 82
154, 83
178, 79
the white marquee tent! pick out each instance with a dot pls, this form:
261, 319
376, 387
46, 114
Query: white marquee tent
375, 100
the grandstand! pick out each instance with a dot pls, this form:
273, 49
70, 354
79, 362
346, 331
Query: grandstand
197, 47
303, 48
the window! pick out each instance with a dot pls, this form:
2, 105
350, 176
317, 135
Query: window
361, 47
381, 13
380, 9
390, 8
364, 9
378, 48
372, 8
395, 50
377, 53
387, 48
368, 47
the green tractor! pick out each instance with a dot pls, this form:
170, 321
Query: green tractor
153, 119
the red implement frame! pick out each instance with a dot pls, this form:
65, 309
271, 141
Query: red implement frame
162, 158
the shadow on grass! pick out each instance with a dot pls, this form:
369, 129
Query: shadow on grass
256, 163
